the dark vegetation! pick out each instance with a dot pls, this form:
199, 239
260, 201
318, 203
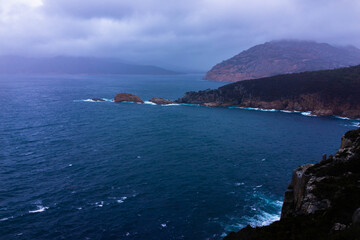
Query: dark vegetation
324, 93
343, 83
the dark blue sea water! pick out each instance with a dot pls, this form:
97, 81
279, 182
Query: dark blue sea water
73, 169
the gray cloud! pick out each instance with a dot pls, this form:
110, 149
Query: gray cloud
194, 34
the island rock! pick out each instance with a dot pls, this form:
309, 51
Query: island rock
97, 99
127, 97
161, 101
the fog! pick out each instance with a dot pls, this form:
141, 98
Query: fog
177, 34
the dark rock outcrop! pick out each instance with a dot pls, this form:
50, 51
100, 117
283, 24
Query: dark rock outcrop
324, 93
127, 97
281, 57
98, 99
161, 101
322, 200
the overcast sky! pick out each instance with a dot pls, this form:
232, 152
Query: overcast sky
187, 33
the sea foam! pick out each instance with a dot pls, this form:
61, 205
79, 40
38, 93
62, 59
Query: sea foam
39, 209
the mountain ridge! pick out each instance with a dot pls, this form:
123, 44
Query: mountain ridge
75, 65
282, 57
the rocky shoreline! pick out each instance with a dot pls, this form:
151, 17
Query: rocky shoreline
322, 93
322, 200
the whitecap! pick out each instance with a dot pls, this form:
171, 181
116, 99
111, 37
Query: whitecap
121, 200
163, 225
99, 204
267, 110
344, 118
308, 114
150, 103
91, 100
171, 104
5, 218
286, 111
263, 219
239, 184
39, 209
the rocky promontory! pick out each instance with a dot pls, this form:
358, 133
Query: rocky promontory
322, 201
127, 97
281, 57
323, 93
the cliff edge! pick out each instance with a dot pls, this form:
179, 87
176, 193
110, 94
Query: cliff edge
322, 200
324, 93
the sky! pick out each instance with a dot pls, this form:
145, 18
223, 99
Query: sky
193, 34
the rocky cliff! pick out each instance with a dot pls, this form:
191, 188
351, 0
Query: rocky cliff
322, 200
281, 57
324, 93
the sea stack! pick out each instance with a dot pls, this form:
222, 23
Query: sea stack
127, 97
161, 101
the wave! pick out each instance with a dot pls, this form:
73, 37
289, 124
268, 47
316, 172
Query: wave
255, 109
239, 184
90, 100
121, 200
6, 218
39, 209
305, 113
308, 114
150, 103
263, 211
171, 104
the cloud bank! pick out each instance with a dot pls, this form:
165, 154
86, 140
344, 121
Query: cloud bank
192, 34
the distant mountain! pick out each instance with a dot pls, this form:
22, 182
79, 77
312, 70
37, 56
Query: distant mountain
74, 65
281, 57
324, 93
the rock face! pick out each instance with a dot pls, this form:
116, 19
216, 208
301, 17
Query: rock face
127, 97
322, 200
324, 93
281, 57
161, 101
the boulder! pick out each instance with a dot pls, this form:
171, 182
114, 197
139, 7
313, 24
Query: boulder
161, 101
98, 99
338, 227
211, 104
127, 97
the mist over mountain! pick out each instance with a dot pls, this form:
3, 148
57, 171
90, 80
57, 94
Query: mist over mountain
281, 57
74, 65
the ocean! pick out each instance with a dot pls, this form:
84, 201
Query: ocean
71, 168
